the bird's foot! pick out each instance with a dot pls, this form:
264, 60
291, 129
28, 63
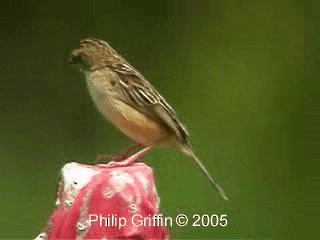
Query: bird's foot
110, 157
116, 157
130, 160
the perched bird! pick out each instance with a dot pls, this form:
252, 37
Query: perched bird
131, 103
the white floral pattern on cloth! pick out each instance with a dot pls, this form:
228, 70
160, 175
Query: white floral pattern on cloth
102, 191
71, 183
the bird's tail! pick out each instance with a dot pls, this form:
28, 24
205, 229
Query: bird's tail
189, 152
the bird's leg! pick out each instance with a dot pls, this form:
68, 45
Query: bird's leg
132, 159
117, 157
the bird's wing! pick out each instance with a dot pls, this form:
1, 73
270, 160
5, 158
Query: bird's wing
139, 93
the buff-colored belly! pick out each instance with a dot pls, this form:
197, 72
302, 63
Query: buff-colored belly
134, 124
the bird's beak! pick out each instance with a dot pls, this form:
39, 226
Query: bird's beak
75, 57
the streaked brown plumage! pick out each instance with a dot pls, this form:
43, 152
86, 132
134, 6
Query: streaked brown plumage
130, 102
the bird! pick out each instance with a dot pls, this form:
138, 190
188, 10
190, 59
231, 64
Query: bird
131, 103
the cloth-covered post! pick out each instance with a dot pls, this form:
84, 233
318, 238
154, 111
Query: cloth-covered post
104, 202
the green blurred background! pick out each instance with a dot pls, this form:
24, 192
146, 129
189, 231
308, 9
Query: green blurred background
233, 70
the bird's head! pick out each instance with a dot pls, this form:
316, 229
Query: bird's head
92, 54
